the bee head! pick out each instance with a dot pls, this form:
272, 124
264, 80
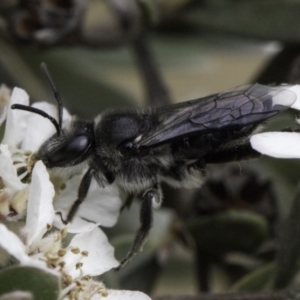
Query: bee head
69, 148
64, 148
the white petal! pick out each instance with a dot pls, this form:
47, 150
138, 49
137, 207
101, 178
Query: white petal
14, 246
21, 295
126, 295
67, 118
277, 144
40, 211
76, 226
296, 90
282, 95
100, 206
8, 173
68, 195
100, 254
16, 119
38, 129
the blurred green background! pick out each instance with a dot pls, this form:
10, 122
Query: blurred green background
195, 48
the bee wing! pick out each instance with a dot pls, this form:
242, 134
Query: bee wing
233, 109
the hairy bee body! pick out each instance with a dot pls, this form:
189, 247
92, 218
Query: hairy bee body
137, 149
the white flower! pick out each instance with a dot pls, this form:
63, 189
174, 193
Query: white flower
88, 254
102, 206
16, 120
35, 248
38, 221
15, 159
24, 134
13, 192
280, 144
277, 144
37, 244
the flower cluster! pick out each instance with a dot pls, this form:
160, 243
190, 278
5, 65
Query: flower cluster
30, 231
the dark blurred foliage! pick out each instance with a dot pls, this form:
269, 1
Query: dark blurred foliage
228, 235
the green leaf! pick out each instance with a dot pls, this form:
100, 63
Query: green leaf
43, 285
289, 247
178, 274
150, 10
141, 272
86, 84
256, 280
230, 231
267, 19
82, 83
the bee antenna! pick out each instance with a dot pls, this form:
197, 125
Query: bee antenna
56, 95
39, 112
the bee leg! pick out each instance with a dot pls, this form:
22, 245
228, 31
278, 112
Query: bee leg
151, 198
82, 192
127, 202
200, 164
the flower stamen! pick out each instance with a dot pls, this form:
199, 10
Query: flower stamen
75, 250
78, 265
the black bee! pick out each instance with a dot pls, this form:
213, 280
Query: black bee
138, 149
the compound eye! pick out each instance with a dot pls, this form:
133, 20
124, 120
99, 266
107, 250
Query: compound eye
69, 153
